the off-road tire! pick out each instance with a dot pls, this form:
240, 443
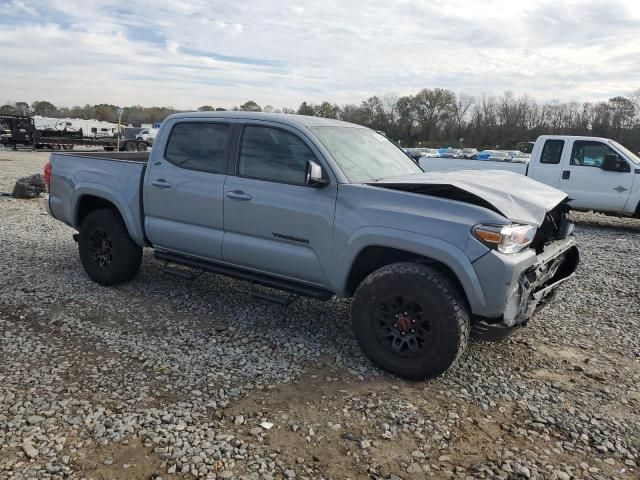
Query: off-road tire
125, 254
442, 302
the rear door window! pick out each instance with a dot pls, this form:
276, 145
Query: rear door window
199, 146
552, 151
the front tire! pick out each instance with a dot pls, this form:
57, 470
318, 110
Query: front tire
410, 320
107, 252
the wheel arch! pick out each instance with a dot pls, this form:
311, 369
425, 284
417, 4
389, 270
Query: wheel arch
88, 200
88, 203
373, 257
370, 249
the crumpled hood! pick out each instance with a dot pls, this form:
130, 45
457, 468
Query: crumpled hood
518, 198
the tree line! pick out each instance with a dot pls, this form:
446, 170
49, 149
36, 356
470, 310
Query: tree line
431, 117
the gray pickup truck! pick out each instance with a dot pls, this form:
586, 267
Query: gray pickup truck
318, 207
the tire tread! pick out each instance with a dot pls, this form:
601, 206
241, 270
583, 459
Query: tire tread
438, 280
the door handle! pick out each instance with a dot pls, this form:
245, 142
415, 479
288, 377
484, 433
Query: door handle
161, 183
238, 195
620, 189
566, 174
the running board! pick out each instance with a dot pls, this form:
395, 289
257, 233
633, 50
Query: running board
177, 272
240, 274
268, 297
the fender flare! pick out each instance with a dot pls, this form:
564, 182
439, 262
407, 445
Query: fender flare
114, 197
420, 244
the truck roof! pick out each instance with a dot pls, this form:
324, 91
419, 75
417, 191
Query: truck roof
576, 137
284, 118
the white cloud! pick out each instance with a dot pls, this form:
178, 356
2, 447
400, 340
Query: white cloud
186, 54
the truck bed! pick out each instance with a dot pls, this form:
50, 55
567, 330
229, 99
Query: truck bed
137, 157
114, 176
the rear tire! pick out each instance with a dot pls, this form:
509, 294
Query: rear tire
410, 320
107, 252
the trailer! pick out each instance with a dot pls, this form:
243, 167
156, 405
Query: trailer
69, 142
23, 130
90, 128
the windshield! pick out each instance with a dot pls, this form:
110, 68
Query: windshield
628, 153
364, 155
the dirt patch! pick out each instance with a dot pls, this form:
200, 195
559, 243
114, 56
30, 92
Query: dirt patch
130, 461
305, 415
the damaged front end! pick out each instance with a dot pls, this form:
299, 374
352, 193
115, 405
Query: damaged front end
557, 259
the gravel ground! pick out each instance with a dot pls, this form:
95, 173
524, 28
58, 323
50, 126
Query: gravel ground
168, 378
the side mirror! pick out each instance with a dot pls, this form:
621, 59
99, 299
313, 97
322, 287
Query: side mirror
613, 163
314, 176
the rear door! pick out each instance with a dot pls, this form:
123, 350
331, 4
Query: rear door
546, 164
183, 194
274, 223
588, 185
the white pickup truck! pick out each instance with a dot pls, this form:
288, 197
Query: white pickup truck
598, 174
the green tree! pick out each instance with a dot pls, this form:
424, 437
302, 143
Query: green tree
106, 112
306, 109
327, 110
250, 106
22, 108
44, 108
432, 107
206, 108
8, 110
374, 114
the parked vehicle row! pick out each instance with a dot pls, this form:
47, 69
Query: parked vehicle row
469, 154
319, 207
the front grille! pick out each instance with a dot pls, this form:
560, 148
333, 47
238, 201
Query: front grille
556, 226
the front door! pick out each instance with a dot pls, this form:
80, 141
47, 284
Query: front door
183, 193
588, 185
275, 223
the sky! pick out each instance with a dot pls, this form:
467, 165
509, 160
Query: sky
187, 53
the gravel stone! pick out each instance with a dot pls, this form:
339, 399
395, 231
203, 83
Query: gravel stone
185, 371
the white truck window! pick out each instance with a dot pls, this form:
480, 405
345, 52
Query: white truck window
589, 153
552, 151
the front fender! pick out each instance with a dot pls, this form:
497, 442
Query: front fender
420, 244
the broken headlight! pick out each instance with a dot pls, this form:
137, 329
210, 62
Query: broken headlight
505, 238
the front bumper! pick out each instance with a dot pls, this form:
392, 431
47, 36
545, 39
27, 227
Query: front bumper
518, 286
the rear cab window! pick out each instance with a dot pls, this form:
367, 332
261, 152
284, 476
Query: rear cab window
552, 152
199, 146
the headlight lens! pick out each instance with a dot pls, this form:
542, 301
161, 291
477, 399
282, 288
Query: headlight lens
507, 238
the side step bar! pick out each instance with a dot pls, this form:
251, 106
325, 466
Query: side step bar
253, 277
